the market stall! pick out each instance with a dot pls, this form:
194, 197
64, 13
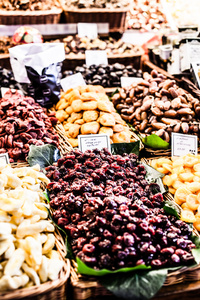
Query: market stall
99, 143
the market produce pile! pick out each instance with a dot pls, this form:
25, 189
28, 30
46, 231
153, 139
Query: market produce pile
5, 44
28, 5
88, 110
27, 255
184, 12
7, 79
146, 15
76, 46
24, 122
105, 75
182, 176
113, 217
111, 4
158, 105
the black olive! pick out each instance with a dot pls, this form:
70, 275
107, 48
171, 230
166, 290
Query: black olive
105, 76
80, 69
92, 67
96, 82
113, 76
101, 71
97, 77
119, 73
129, 67
118, 66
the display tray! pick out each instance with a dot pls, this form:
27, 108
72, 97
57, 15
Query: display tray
88, 288
72, 61
50, 290
19, 17
115, 17
184, 82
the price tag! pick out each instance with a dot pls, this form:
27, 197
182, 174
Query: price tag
4, 158
127, 81
93, 141
72, 81
96, 57
183, 144
87, 30
4, 90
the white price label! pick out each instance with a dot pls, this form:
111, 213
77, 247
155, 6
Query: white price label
93, 141
96, 57
4, 158
127, 81
72, 81
183, 144
87, 30
4, 90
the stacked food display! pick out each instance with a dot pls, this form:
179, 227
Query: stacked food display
99, 191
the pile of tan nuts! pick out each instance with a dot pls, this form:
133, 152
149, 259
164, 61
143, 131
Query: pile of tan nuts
146, 15
77, 46
157, 105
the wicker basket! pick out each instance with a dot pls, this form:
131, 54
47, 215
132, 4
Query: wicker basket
50, 290
115, 17
30, 17
85, 287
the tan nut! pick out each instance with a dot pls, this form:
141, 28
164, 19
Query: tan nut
167, 105
137, 113
158, 125
156, 111
166, 136
131, 93
185, 127
171, 113
177, 127
122, 94
185, 111
146, 105
173, 92
169, 121
143, 125
143, 115
160, 132
176, 103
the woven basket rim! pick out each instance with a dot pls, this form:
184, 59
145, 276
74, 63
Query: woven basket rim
109, 56
8, 13
82, 56
95, 10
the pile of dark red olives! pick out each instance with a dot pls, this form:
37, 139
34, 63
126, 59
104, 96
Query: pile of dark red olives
113, 217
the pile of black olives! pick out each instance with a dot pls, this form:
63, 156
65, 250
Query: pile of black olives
7, 79
105, 75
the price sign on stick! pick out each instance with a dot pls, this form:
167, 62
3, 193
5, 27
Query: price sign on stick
183, 144
96, 57
93, 141
87, 30
72, 81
